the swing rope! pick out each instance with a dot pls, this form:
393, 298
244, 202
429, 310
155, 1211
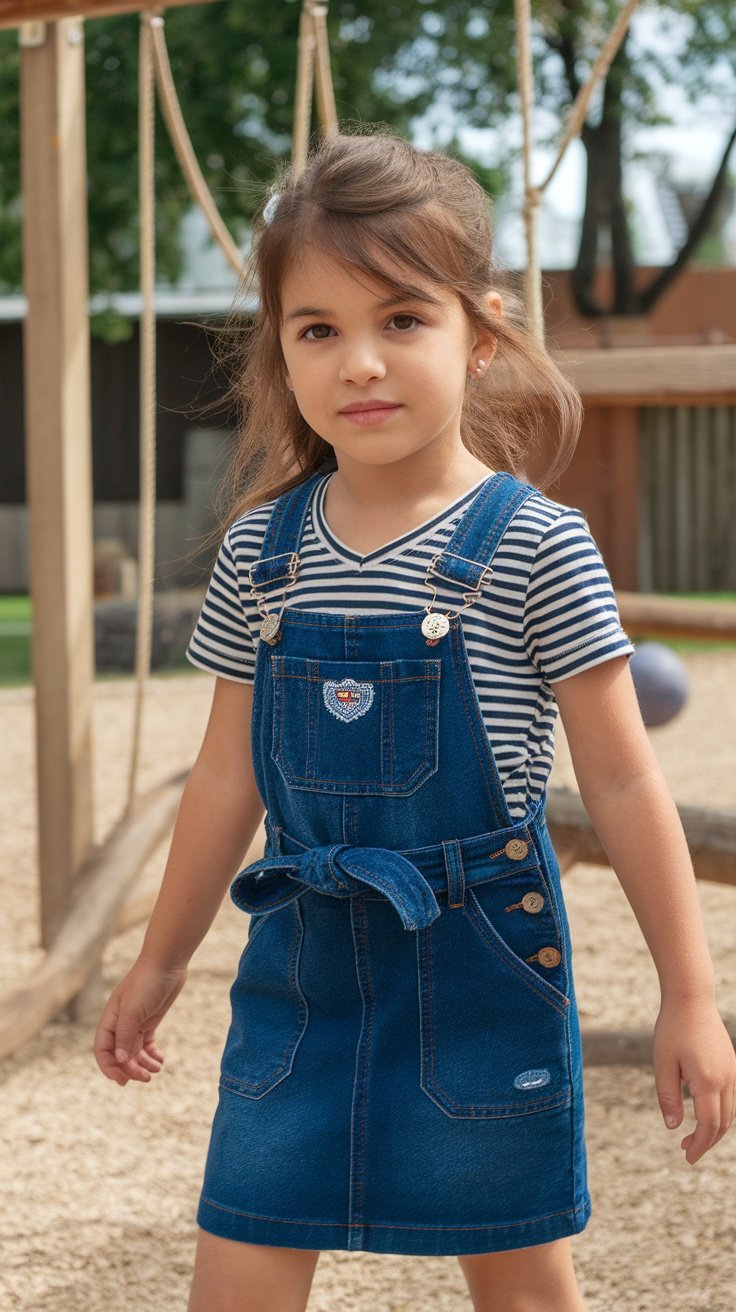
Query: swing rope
573, 127
147, 439
155, 73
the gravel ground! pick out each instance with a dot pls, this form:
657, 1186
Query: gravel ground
104, 1183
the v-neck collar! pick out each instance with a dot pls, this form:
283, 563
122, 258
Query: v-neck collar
396, 545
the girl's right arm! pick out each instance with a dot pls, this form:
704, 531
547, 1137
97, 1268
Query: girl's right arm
217, 820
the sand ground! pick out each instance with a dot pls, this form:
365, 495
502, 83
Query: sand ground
101, 1192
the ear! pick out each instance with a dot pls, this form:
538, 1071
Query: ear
486, 344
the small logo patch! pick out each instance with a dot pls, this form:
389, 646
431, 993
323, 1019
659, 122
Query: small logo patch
347, 699
532, 1079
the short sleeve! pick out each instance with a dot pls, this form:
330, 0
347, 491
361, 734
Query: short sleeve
222, 642
571, 619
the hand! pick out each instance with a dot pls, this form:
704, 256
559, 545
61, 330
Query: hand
691, 1043
124, 1045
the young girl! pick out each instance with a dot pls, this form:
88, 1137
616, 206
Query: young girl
394, 617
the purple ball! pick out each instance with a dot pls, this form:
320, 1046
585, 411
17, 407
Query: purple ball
660, 680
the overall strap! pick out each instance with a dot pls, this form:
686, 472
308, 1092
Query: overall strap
467, 556
279, 558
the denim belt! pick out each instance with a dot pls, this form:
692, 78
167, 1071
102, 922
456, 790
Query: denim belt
409, 880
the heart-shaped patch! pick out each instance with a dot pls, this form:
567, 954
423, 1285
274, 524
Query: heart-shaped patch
347, 699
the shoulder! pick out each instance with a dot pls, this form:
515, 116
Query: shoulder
541, 521
544, 511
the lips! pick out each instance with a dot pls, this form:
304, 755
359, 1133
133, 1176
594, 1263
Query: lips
357, 406
379, 413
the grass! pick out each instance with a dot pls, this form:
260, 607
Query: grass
16, 627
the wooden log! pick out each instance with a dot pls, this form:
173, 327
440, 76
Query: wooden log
652, 375
626, 1047
710, 835
81, 939
677, 617
15, 12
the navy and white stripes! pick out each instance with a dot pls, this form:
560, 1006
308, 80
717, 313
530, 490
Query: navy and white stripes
548, 612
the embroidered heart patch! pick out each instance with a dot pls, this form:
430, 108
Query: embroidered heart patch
347, 699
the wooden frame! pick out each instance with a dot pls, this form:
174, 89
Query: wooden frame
652, 375
13, 13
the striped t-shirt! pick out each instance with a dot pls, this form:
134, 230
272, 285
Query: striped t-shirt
547, 612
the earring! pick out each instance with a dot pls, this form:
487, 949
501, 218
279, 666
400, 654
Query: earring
480, 366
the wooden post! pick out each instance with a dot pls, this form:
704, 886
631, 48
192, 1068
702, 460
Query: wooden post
57, 422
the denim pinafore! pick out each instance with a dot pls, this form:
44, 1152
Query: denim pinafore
403, 1068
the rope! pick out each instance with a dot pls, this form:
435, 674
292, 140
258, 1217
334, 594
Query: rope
326, 107
313, 49
147, 440
306, 49
533, 194
155, 69
601, 66
532, 197
181, 141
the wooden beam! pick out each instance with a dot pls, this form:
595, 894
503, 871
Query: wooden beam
652, 375
710, 835
15, 12
677, 617
85, 931
58, 455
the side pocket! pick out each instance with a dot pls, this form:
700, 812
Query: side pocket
517, 915
495, 1038
269, 1009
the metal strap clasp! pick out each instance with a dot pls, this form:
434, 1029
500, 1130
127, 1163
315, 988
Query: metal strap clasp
271, 626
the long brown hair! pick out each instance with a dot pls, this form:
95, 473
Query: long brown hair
379, 203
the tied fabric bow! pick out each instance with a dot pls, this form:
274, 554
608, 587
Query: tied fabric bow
339, 871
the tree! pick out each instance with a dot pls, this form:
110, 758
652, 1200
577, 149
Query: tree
628, 95
450, 62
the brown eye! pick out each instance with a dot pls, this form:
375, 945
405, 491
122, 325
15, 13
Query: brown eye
311, 328
404, 322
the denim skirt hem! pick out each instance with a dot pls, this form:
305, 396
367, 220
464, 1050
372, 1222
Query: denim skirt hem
412, 1241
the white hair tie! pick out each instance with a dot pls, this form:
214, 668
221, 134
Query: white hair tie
271, 206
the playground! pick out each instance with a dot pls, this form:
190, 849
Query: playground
94, 1223
91, 1223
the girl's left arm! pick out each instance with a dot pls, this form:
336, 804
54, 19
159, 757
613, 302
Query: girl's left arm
626, 796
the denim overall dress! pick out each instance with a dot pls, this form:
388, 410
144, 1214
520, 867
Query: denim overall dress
403, 1068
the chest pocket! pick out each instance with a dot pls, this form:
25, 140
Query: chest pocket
356, 726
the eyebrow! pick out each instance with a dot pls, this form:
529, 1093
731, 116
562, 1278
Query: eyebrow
310, 311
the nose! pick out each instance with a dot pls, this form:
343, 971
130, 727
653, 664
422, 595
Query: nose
361, 363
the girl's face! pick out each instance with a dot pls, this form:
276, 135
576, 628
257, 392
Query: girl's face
344, 345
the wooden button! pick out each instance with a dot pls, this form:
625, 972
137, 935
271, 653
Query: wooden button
517, 849
549, 957
532, 902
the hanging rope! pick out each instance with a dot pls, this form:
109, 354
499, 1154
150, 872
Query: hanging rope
313, 48
533, 194
326, 108
155, 66
181, 141
147, 439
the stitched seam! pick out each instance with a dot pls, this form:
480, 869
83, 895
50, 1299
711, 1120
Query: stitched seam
391, 1225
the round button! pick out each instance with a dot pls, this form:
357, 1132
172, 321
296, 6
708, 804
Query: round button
549, 957
532, 902
517, 849
435, 625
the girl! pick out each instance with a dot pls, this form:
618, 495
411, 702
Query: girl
394, 616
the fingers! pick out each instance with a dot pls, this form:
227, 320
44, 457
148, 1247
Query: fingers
121, 1052
713, 1114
